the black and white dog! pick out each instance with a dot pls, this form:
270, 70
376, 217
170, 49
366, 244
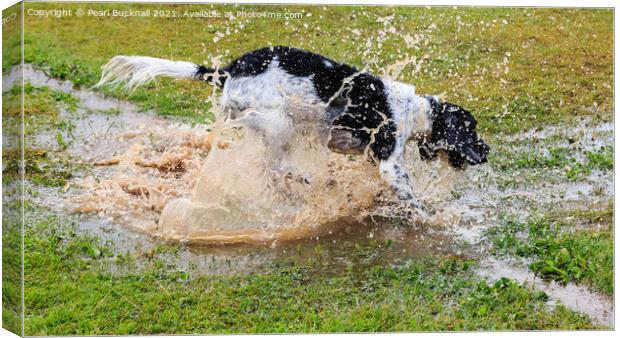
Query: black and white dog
366, 114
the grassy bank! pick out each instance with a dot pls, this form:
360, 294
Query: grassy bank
509, 66
73, 270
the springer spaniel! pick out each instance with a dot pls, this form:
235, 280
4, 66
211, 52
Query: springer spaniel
366, 114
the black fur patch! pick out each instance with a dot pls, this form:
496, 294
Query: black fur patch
361, 105
327, 80
218, 78
454, 131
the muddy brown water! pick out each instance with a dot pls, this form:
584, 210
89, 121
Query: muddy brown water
106, 131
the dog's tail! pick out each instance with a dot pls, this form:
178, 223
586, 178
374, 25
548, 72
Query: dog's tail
134, 71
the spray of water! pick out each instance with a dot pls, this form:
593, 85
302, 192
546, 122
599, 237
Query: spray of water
226, 185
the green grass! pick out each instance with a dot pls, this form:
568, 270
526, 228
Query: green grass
40, 168
41, 106
563, 158
605, 215
582, 256
11, 266
603, 159
510, 66
41, 112
70, 290
11, 37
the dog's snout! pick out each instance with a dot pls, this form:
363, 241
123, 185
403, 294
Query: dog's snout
478, 153
472, 156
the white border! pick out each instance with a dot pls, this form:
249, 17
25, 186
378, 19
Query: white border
506, 3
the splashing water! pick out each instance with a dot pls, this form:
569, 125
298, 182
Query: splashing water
240, 195
171, 182
250, 192
223, 185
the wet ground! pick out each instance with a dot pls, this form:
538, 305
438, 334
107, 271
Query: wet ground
476, 202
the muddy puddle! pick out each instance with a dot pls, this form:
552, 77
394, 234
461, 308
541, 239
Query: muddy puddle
137, 163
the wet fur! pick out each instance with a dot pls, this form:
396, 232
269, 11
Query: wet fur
367, 114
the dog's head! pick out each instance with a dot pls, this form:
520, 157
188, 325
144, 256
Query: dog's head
454, 132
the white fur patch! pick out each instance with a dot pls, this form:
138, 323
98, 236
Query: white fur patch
411, 111
272, 90
272, 103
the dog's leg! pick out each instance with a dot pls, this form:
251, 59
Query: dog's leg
393, 172
398, 179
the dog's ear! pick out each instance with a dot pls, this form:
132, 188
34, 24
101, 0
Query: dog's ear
454, 131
